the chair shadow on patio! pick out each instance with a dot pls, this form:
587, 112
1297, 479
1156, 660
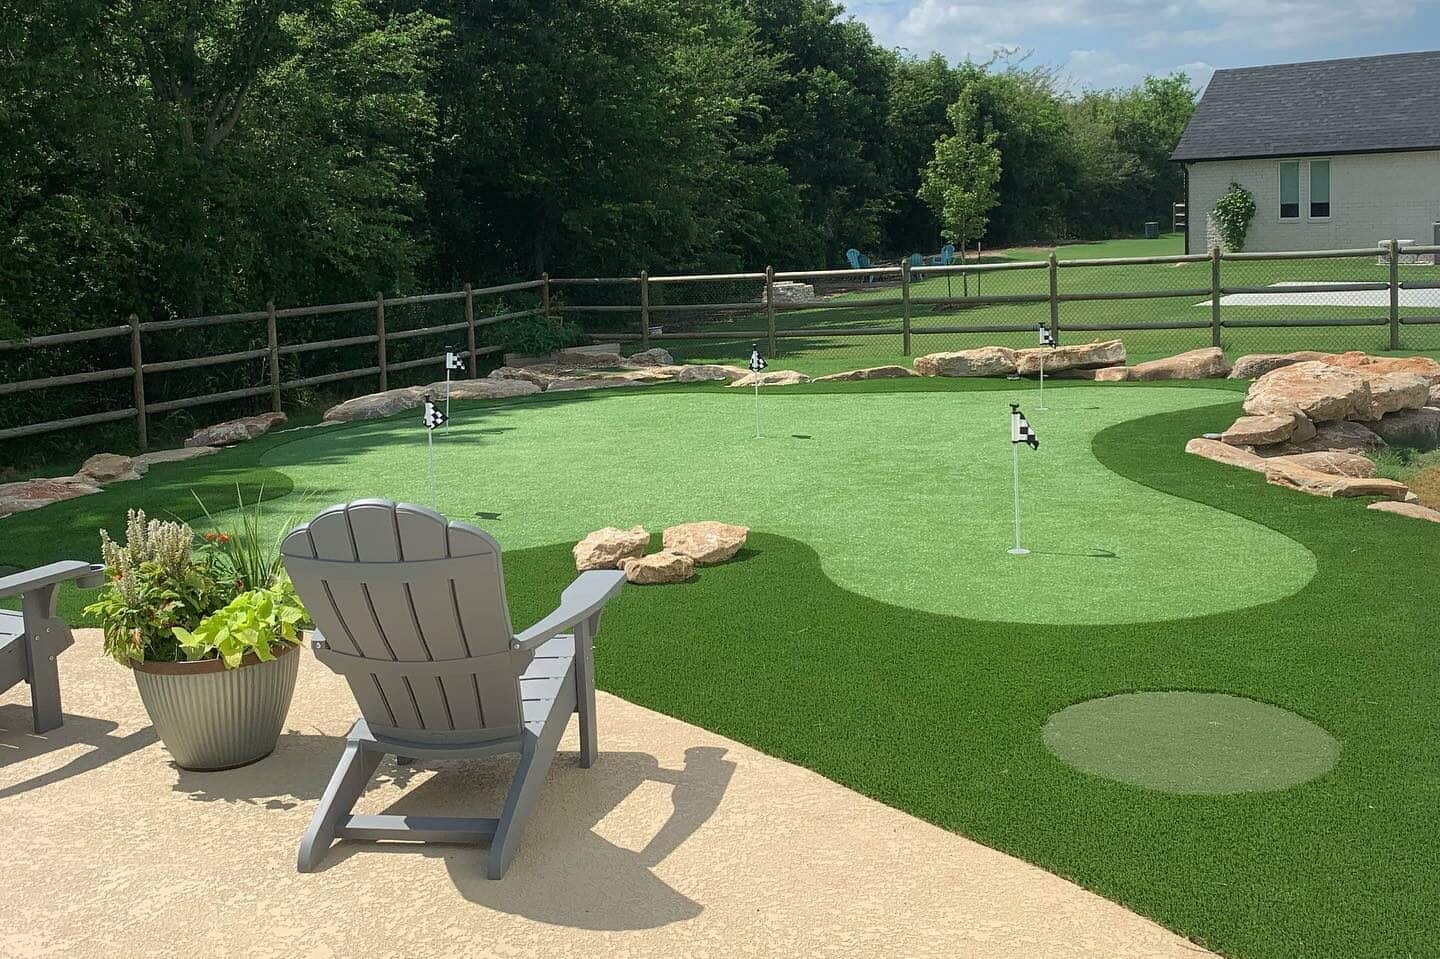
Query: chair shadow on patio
18, 744
569, 871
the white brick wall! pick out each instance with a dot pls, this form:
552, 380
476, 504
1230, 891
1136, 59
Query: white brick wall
1373, 197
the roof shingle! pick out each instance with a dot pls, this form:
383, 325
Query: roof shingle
1360, 105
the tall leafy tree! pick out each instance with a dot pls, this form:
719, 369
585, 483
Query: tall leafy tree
961, 182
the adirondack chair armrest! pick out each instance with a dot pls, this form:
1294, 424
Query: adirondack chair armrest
583, 598
86, 576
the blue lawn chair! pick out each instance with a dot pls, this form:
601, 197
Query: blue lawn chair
859, 261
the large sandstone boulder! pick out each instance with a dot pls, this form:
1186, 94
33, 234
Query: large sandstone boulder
709, 373
1330, 461
524, 373
1391, 392
1322, 392
985, 361
584, 359
654, 356
1419, 429
869, 373
102, 469
707, 542
1356, 360
35, 493
1264, 430
1256, 365
486, 389
662, 567
1240, 456
1412, 510
177, 455
607, 548
1347, 437
1205, 364
1108, 374
375, 406
1316, 483
772, 378
1434, 396
236, 431
562, 384
1080, 356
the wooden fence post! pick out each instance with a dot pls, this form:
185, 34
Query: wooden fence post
545, 296
470, 328
1054, 297
137, 363
380, 340
905, 308
644, 310
1215, 295
272, 335
770, 310
1394, 294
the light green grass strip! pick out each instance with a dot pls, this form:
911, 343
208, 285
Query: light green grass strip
906, 497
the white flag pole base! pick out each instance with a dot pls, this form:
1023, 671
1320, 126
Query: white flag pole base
1018, 551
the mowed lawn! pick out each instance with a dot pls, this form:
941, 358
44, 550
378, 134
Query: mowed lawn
937, 707
837, 350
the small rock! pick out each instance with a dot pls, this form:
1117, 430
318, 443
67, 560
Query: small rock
236, 431
586, 359
869, 373
1418, 429
36, 493
1330, 461
1112, 374
1078, 356
1412, 510
654, 356
1315, 483
709, 373
1240, 456
565, 384
1262, 430
662, 567
707, 542
1203, 364
103, 469
606, 548
772, 378
486, 389
374, 406
542, 380
985, 361
1256, 365
1322, 392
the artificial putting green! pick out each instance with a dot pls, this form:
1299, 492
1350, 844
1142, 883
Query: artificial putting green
906, 497
943, 716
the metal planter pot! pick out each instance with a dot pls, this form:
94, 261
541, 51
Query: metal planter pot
210, 717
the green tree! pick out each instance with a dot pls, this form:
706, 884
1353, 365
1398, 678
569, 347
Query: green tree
960, 183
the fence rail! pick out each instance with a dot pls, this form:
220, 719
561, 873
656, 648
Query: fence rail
882, 301
274, 386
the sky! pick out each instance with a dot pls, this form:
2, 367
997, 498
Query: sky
1099, 44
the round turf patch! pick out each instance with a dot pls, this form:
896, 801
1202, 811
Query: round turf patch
1191, 743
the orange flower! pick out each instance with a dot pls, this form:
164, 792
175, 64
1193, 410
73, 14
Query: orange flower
224, 538
209, 537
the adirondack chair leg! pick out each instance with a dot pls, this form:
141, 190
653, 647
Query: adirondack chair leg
524, 790
347, 784
585, 689
47, 637
45, 691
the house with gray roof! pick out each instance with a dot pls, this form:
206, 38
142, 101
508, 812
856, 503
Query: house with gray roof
1338, 154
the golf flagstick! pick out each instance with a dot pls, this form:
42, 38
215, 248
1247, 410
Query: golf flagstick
1046, 339
453, 361
1020, 432
757, 364
1042, 383
432, 419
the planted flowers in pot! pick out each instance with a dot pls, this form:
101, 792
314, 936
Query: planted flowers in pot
209, 634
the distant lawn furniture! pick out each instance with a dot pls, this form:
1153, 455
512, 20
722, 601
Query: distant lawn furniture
859, 261
945, 257
915, 262
32, 640
411, 611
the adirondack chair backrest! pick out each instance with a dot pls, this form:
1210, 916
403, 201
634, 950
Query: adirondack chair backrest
396, 591
947, 254
864, 261
853, 256
916, 260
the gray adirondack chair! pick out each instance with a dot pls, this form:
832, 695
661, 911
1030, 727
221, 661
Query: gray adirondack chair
32, 640
411, 611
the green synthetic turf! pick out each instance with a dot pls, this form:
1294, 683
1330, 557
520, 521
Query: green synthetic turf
1193, 743
942, 716
906, 497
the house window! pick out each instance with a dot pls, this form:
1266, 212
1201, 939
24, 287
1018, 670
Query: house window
1319, 189
1290, 190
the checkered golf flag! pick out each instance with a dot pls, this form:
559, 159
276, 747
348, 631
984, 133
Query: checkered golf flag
434, 415
454, 361
757, 362
1046, 339
1020, 429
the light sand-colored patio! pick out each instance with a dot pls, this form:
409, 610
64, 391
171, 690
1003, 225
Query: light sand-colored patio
677, 843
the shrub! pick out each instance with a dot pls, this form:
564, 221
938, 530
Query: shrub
256, 621
533, 336
1233, 213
